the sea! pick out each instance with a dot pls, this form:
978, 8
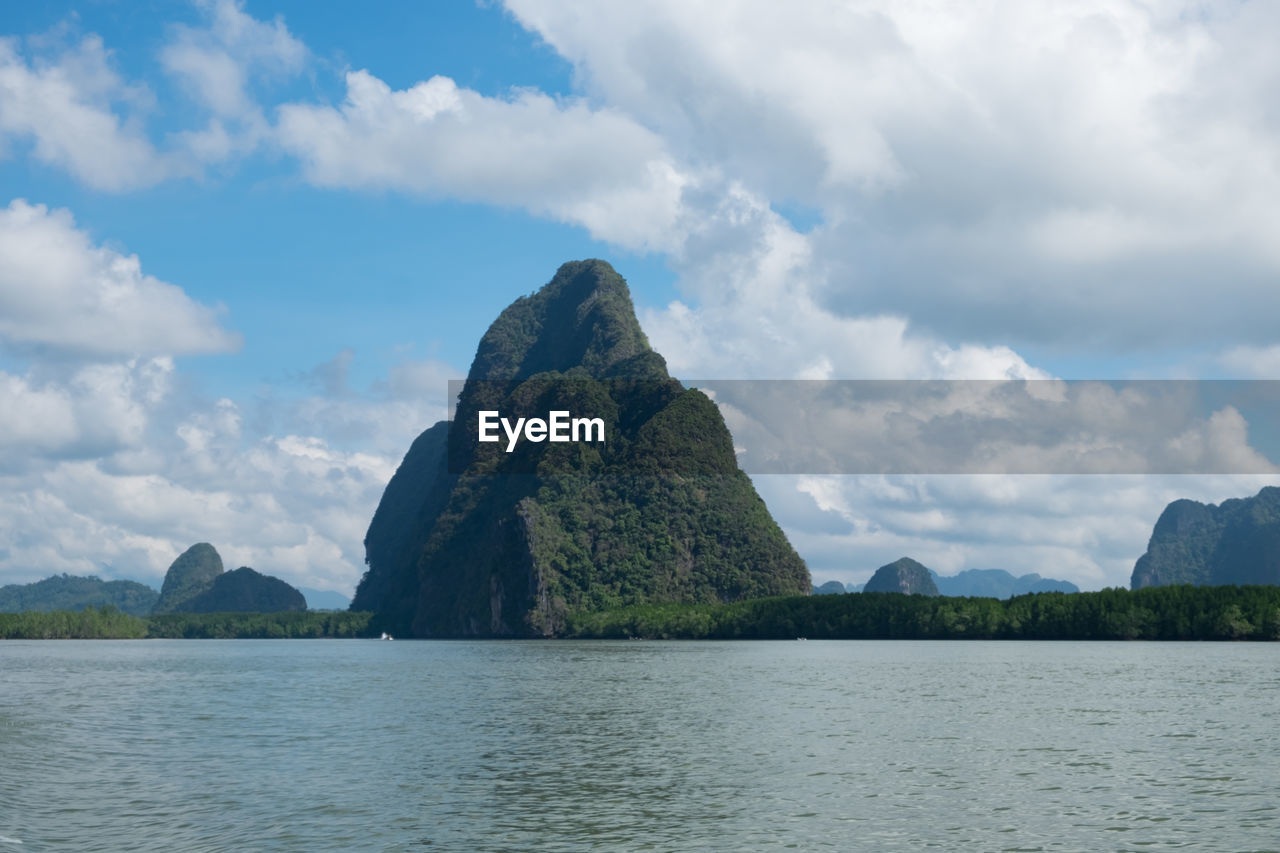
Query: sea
319, 745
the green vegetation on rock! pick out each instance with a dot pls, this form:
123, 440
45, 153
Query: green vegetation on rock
196, 583
246, 591
68, 592
470, 540
1236, 542
903, 575
192, 573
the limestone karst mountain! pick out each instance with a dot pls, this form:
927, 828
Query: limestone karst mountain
903, 575
191, 574
1235, 542
472, 540
246, 591
196, 583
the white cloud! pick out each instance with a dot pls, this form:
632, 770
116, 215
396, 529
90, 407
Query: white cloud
110, 465
565, 160
115, 468
1089, 530
219, 63
181, 471
1252, 361
751, 277
61, 293
994, 427
65, 107
94, 410
1008, 171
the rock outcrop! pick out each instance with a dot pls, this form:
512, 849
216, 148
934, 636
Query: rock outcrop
192, 573
904, 575
472, 540
196, 583
1235, 542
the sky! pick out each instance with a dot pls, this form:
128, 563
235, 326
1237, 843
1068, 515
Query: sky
245, 245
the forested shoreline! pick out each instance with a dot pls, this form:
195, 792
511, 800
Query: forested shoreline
108, 623
1154, 613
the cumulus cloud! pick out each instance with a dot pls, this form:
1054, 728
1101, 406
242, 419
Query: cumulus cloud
1261, 362
754, 308
1016, 171
65, 106
62, 293
972, 427
116, 470
218, 63
98, 409
565, 160
110, 464
1088, 530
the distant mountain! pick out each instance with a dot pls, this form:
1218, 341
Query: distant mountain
829, 588
324, 599
997, 583
192, 573
904, 575
196, 583
68, 592
480, 539
246, 591
1235, 542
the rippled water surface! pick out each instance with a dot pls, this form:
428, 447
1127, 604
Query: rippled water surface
362, 745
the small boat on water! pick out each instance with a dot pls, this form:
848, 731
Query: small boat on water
387, 636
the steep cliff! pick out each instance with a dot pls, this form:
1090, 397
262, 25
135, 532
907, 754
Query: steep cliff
903, 575
196, 583
246, 591
1235, 542
191, 574
502, 539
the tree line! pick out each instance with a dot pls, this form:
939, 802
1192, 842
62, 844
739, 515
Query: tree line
109, 623
1154, 613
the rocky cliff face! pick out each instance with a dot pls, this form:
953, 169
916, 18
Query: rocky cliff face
904, 575
472, 540
1236, 542
246, 591
191, 574
196, 583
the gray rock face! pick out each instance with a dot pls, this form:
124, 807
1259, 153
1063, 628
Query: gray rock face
246, 591
196, 583
1235, 542
904, 575
191, 574
473, 540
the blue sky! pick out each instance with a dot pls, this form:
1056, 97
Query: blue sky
244, 245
